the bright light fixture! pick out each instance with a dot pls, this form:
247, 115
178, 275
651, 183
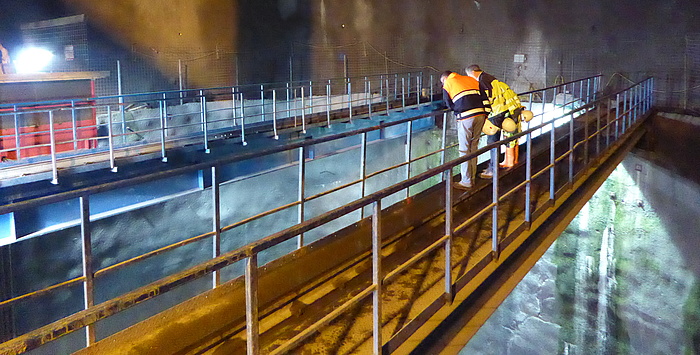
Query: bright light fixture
32, 60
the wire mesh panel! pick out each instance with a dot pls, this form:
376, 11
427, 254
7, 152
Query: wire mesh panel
65, 38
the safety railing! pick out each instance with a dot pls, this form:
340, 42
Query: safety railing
61, 129
94, 312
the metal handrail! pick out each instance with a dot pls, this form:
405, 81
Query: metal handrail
254, 248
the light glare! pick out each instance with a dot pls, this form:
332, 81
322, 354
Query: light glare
33, 60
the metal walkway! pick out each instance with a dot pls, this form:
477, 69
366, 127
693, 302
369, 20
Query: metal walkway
381, 284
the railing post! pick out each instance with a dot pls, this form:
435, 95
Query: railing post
110, 140
444, 138
571, 148
597, 130
121, 102
262, 102
328, 103
204, 119
409, 141
588, 90
607, 126
494, 200
387, 94
363, 169
617, 116
528, 178
52, 138
243, 141
88, 285
625, 112
377, 278
403, 94
163, 126
303, 111
74, 124
419, 87
311, 97
18, 141
301, 192
552, 160
233, 106
289, 109
369, 97
274, 113
216, 219
251, 311
349, 88
449, 290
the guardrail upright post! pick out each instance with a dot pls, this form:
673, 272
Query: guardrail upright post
274, 113
387, 94
396, 85
121, 101
161, 110
369, 98
494, 199
586, 135
301, 192
377, 278
110, 140
617, 116
216, 220
74, 124
637, 101
607, 126
571, 148
311, 97
303, 111
233, 106
243, 141
18, 141
544, 100
419, 87
625, 112
552, 160
444, 138
204, 119
597, 130
363, 170
289, 109
588, 90
528, 178
381, 88
403, 94
52, 138
349, 88
262, 102
88, 273
251, 305
369, 110
409, 143
328, 103
449, 290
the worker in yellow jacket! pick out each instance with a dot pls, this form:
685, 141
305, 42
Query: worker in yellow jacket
505, 115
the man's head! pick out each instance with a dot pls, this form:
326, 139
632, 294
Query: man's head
473, 71
444, 76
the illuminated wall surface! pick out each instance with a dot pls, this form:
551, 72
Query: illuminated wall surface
622, 278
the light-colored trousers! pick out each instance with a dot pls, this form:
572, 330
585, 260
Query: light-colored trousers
468, 133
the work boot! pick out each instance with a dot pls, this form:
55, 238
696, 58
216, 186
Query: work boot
511, 158
486, 174
462, 186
